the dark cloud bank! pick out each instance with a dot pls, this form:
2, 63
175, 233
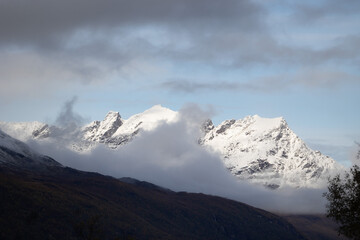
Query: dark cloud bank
41, 19
60, 44
170, 157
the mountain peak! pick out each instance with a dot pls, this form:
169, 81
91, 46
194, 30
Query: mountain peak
110, 124
264, 124
256, 116
113, 117
101, 130
112, 113
158, 109
147, 120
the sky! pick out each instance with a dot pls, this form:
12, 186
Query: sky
296, 59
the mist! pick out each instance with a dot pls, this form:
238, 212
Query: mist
67, 125
170, 156
355, 154
67, 118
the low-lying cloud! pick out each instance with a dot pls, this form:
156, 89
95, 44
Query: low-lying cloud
170, 156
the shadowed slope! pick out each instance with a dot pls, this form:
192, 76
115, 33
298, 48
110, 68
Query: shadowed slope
40, 199
64, 203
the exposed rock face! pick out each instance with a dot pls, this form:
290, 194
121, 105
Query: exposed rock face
207, 126
42, 132
100, 131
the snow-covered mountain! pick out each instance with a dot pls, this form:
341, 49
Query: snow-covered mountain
24, 131
112, 131
16, 153
265, 151
115, 131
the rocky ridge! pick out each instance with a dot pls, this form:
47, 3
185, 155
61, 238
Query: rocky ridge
267, 151
262, 150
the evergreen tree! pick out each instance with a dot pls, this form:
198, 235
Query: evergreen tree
344, 202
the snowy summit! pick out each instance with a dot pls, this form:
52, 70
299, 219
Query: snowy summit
262, 150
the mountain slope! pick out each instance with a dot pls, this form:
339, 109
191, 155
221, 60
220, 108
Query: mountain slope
267, 151
315, 227
16, 153
24, 130
61, 205
64, 203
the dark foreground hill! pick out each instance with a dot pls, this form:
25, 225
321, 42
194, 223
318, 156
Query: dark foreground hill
40, 199
315, 226
63, 203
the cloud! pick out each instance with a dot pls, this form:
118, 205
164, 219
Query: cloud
72, 47
49, 22
170, 156
232, 33
308, 78
61, 44
67, 126
321, 10
124, 30
343, 51
26, 74
67, 117
327, 78
340, 153
191, 86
